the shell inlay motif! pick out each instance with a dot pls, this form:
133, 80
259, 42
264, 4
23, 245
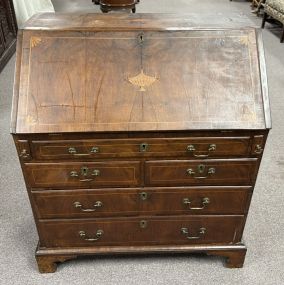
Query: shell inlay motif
35, 41
142, 80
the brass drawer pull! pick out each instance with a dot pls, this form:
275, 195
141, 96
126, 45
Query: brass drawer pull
86, 180
94, 150
258, 149
74, 174
201, 169
96, 172
205, 201
83, 235
191, 148
98, 204
185, 231
85, 173
24, 153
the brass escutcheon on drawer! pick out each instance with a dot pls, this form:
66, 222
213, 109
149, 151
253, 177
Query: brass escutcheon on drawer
143, 196
143, 224
143, 147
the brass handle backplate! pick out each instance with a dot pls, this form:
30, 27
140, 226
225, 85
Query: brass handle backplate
98, 204
205, 201
200, 170
24, 153
191, 148
185, 231
258, 149
85, 174
83, 235
73, 150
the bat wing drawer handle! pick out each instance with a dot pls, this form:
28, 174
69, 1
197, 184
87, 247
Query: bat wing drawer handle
205, 202
185, 231
85, 174
191, 148
83, 235
73, 151
98, 204
192, 173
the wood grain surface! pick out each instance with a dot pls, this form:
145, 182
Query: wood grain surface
139, 80
139, 133
140, 201
128, 231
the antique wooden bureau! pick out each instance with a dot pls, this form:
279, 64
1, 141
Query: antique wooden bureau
138, 134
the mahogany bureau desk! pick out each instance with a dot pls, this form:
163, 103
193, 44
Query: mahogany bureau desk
138, 134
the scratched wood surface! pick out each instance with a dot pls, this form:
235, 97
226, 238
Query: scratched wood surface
137, 79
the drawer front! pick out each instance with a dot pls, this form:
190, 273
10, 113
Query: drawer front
141, 231
202, 172
83, 175
145, 201
183, 147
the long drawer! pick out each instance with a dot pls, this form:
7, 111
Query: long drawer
201, 172
82, 175
141, 231
194, 147
144, 201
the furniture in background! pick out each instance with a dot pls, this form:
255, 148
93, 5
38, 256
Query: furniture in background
275, 10
108, 5
257, 6
8, 31
152, 139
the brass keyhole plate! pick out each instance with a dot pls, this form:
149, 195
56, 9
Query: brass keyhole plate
143, 196
143, 224
201, 168
143, 147
84, 171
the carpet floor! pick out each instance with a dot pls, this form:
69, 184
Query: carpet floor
264, 230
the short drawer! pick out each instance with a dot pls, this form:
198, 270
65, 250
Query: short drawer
195, 147
82, 175
168, 230
201, 172
144, 201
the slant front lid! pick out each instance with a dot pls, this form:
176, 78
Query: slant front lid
138, 80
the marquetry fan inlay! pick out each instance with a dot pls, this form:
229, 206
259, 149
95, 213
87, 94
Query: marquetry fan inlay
35, 41
142, 80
